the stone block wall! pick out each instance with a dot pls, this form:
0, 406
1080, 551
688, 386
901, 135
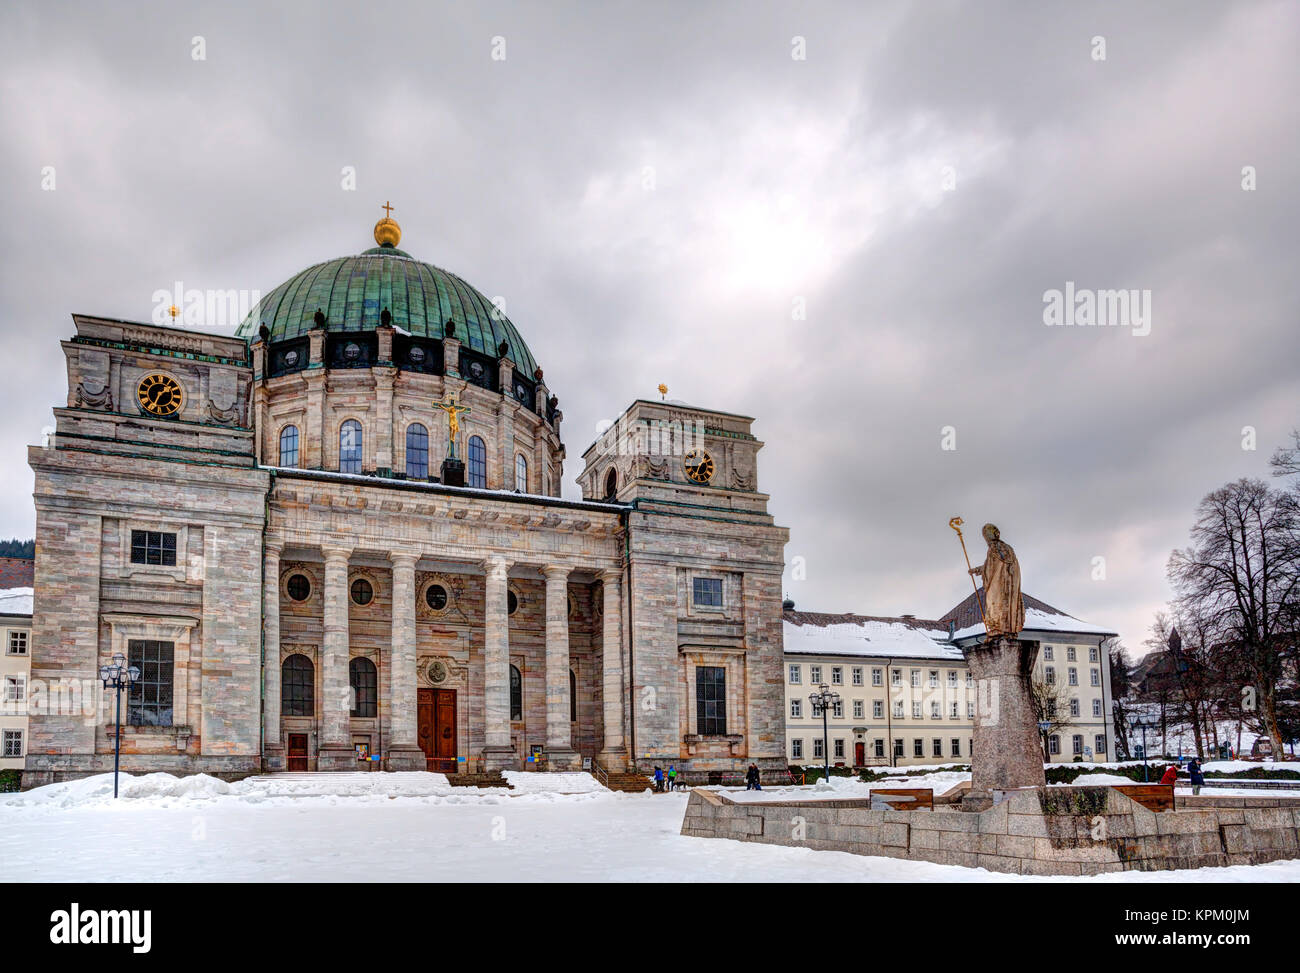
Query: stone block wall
1047, 831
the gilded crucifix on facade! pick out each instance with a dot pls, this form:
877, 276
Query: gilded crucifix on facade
454, 411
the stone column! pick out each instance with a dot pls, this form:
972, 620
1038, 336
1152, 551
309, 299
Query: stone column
334, 748
560, 754
614, 753
498, 754
1006, 751
384, 379
404, 752
272, 745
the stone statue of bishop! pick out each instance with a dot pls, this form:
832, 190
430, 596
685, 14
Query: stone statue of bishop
1004, 609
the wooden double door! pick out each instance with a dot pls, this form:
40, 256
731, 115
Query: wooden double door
297, 753
436, 728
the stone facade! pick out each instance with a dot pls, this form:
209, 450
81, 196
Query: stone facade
311, 616
1037, 831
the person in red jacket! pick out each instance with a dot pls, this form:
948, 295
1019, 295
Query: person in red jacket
1171, 775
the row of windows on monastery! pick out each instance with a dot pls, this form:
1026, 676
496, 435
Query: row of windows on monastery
815, 674
936, 749
899, 709
351, 452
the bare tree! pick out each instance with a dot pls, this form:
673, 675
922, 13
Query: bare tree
1241, 577
1050, 702
1119, 694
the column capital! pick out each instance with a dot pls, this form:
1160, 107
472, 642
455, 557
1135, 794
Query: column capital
497, 566
610, 575
403, 558
273, 545
334, 552
556, 572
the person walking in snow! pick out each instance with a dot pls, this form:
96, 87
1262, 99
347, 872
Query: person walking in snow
1171, 775
672, 777
752, 782
1198, 777
659, 779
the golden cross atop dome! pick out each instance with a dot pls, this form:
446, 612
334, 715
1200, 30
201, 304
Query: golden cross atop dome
387, 232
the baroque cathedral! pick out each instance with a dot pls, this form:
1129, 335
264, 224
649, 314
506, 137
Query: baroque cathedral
336, 540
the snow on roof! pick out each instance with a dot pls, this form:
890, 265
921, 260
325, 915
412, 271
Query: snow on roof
1037, 620
871, 638
15, 601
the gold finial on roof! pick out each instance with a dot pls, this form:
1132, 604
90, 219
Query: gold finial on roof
663, 391
387, 232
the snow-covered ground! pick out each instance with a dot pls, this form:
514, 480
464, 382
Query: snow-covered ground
416, 827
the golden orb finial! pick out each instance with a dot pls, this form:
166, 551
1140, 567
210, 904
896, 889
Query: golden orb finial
663, 390
387, 232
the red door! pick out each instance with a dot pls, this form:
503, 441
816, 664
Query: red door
859, 754
297, 752
436, 728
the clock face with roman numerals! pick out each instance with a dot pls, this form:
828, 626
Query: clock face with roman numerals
698, 465
160, 395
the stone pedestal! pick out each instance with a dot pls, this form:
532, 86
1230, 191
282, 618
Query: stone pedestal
336, 758
405, 758
1006, 753
453, 472
563, 758
500, 758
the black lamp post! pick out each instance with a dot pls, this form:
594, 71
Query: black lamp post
1043, 727
1138, 723
119, 677
824, 699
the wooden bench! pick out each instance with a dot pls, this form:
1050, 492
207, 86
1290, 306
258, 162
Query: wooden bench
902, 798
1153, 797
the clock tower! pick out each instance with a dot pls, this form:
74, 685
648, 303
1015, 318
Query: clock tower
703, 564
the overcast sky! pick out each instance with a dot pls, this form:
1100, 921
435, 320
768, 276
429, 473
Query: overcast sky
654, 188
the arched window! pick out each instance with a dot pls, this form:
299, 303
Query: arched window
365, 692
521, 473
350, 447
611, 483
298, 687
477, 472
573, 697
289, 446
516, 694
417, 452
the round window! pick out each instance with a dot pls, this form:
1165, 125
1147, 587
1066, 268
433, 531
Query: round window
290, 358
416, 354
435, 596
362, 592
512, 602
352, 351
476, 369
299, 587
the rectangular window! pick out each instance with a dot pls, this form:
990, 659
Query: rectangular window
837, 675
796, 674
936, 747
711, 700
898, 709
1074, 676
918, 748
898, 746
1095, 677
819, 748
13, 744
18, 642
1099, 744
916, 709
880, 748
952, 679
1077, 741
877, 677
1074, 706
970, 709
708, 592
839, 749
796, 749
149, 700
1054, 745
815, 674
935, 712
857, 675
1096, 707
916, 678
896, 677
1092, 653
1049, 675
956, 746
878, 709
1070, 655
1049, 654
858, 711
934, 678
970, 680
15, 689
953, 713
153, 547
837, 710
796, 708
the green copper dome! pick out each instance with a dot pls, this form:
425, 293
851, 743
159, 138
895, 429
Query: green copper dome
353, 292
